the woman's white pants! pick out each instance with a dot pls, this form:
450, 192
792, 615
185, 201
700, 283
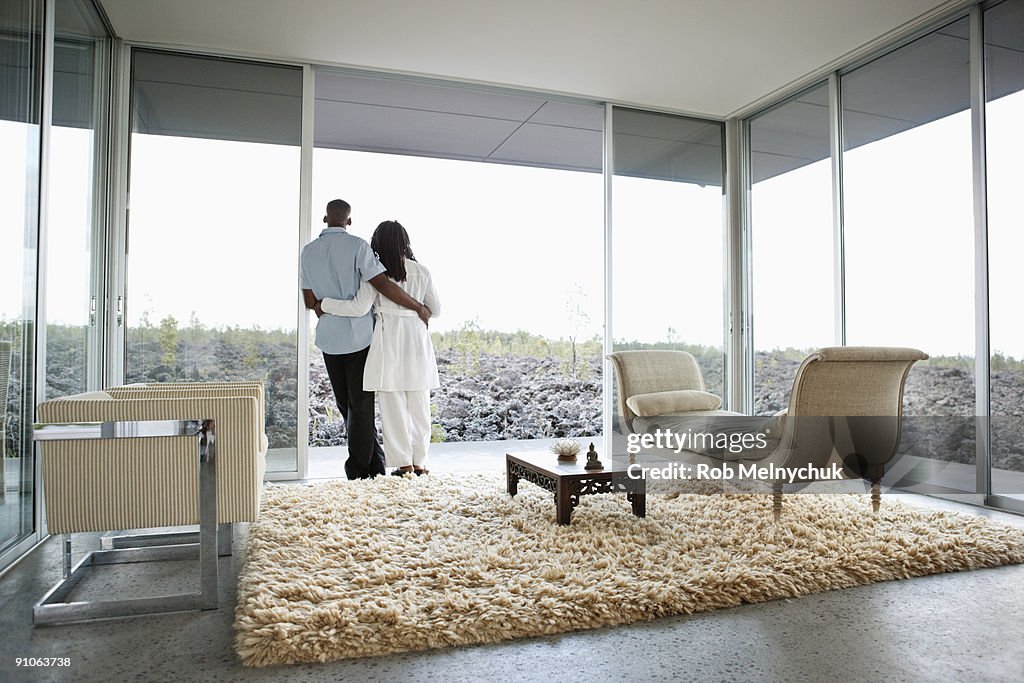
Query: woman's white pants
405, 417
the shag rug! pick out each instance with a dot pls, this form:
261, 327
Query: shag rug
359, 568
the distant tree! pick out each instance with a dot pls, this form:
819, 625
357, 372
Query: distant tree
588, 350
468, 345
523, 337
195, 329
144, 326
577, 317
506, 342
250, 342
168, 339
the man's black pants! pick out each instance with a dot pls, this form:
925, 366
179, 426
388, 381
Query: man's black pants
365, 455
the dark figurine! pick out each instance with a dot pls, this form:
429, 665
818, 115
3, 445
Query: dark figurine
592, 462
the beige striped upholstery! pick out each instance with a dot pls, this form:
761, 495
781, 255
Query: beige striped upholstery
192, 389
146, 482
845, 382
648, 372
195, 390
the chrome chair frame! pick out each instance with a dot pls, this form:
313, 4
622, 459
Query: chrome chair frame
53, 608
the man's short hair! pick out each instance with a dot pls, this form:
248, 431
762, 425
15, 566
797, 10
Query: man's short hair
339, 206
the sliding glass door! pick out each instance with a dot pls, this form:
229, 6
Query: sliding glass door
20, 139
667, 243
915, 268
52, 127
76, 187
1004, 112
909, 241
790, 225
212, 245
501, 195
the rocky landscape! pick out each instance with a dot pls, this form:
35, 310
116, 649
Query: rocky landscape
523, 397
503, 397
517, 386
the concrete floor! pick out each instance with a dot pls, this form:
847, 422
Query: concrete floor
966, 626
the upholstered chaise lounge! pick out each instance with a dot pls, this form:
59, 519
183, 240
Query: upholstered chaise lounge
844, 410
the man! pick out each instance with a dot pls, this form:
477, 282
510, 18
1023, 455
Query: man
334, 265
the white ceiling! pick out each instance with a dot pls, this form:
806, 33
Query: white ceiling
697, 56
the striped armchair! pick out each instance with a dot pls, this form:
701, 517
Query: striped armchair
146, 482
124, 477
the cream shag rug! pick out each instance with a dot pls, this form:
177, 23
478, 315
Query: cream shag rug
352, 569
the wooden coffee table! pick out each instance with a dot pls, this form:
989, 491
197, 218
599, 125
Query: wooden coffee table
568, 481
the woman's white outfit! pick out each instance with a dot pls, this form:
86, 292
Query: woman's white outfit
400, 365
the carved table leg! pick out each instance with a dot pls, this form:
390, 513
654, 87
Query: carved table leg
563, 502
776, 500
639, 500
511, 480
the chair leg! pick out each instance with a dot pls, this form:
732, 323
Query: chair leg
225, 539
67, 555
876, 496
777, 500
161, 538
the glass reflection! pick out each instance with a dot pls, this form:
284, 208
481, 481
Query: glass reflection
909, 239
213, 239
791, 223
20, 73
1004, 111
79, 93
668, 239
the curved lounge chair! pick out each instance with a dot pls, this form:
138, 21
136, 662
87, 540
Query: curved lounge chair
845, 407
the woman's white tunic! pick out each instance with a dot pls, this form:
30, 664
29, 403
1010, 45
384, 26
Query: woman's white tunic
401, 356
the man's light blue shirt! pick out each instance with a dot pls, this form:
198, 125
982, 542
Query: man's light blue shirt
334, 265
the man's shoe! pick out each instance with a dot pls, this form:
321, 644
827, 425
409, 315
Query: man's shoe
399, 472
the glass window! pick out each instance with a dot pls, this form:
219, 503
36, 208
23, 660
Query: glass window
668, 238
20, 76
74, 198
501, 194
792, 258
1004, 111
909, 235
212, 264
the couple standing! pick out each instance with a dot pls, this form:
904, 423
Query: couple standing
342, 277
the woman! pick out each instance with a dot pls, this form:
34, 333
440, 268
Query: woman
400, 365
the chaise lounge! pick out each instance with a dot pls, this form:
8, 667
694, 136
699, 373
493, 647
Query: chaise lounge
844, 410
